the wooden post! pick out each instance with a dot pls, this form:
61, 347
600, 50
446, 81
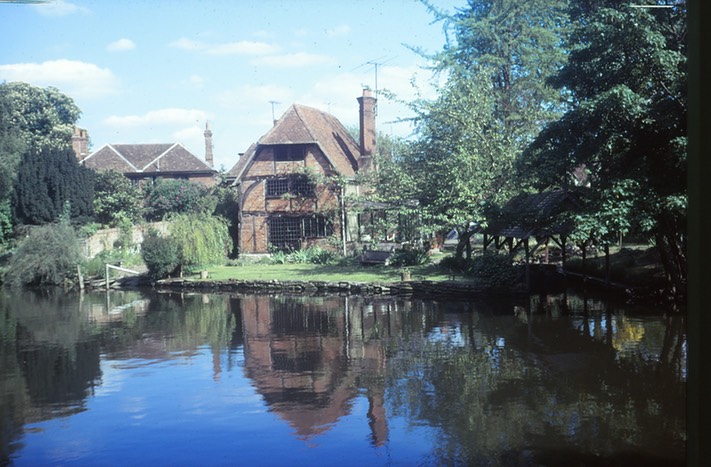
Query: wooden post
80, 278
106, 277
607, 264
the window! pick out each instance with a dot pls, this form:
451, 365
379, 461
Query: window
289, 153
298, 185
287, 233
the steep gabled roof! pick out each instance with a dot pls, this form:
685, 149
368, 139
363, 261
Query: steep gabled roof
306, 125
146, 158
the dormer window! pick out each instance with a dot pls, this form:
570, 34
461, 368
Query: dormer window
289, 153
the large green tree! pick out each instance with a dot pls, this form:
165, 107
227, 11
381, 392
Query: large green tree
626, 130
35, 122
495, 99
116, 199
50, 183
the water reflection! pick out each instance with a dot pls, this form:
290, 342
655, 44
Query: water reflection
544, 380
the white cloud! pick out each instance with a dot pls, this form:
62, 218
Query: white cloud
227, 48
293, 60
168, 117
74, 78
121, 45
58, 8
342, 30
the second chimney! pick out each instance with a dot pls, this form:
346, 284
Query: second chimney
367, 128
208, 145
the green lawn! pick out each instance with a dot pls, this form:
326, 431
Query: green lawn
319, 272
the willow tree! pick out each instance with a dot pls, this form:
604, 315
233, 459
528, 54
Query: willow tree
627, 127
494, 101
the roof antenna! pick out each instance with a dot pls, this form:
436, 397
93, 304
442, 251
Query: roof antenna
376, 62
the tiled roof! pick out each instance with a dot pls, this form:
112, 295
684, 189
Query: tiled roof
137, 158
306, 125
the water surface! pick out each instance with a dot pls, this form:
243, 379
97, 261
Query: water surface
134, 378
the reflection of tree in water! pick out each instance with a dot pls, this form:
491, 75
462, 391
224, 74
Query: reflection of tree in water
545, 389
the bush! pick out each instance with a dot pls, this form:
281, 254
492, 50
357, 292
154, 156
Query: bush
49, 255
493, 269
310, 255
409, 257
161, 256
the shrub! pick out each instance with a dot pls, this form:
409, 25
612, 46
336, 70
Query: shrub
174, 197
161, 256
49, 255
408, 257
493, 269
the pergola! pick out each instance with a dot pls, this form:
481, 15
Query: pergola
535, 216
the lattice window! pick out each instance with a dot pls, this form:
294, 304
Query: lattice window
287, 233
277, 187
298, 185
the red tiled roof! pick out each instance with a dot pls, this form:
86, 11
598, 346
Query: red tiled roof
306, 125
137, 158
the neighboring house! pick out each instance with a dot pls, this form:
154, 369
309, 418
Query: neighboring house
285, 200
142, 162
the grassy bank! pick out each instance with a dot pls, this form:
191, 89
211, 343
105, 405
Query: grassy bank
632, 267
322, 272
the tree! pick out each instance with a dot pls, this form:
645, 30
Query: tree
116, 199
48, 256
493, 103
47, 180
175, 196
627, 127
201, 239
31, 119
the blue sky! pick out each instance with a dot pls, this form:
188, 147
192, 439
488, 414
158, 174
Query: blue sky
155, 71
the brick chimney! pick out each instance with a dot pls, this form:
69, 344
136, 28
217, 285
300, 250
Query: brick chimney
80, 143
367, 129
208, 145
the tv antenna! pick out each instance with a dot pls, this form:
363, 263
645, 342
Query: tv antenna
376, 62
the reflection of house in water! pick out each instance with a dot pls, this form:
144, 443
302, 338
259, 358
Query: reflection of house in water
309, 360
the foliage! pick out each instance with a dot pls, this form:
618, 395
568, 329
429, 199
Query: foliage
161, 255
493, 269
96, 266
47, 180
173, 196
48, 256
408, 257
5, 224
202, 240
116, 199
310, 255
626, 129
44, 117
227, 207
31, 119
494, 101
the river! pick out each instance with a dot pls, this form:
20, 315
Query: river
148, 378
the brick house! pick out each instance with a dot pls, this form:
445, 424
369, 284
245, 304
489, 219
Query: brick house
141, 162
286, 201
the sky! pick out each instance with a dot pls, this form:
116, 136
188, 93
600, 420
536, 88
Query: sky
156, 71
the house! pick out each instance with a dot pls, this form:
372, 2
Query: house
286, 199
141, 162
